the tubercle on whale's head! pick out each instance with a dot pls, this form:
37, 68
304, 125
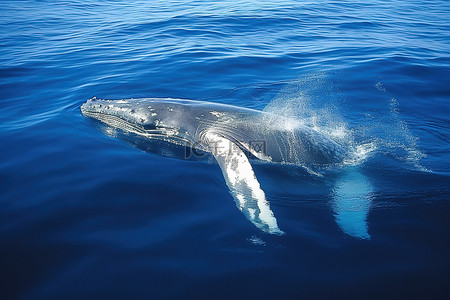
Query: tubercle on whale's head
148, 113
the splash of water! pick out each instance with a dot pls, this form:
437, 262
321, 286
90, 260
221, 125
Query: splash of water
313, 102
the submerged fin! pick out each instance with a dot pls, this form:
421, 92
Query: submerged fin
352, 203
242, 182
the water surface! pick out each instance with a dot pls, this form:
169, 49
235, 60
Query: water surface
84, 215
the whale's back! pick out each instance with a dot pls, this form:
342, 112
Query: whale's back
268, 136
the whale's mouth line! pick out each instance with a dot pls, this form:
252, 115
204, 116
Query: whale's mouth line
158, 133
113, 121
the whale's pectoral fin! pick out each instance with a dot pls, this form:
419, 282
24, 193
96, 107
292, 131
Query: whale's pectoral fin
242, 182
352, 203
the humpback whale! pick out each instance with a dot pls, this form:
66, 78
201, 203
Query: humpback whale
234, 136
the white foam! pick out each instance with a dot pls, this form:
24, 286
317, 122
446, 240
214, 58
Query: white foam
360, 153
307, 103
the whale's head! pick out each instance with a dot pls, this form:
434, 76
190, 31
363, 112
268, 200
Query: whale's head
146, 119
145, 114
146, 123
164, 115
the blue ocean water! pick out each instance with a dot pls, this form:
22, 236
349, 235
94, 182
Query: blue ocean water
84, 215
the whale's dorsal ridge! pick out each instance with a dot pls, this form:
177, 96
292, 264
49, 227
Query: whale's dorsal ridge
242, 182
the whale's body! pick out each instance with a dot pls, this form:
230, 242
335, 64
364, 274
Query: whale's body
233, 135
185, 122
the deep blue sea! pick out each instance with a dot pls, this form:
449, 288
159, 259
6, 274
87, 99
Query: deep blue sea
86, 216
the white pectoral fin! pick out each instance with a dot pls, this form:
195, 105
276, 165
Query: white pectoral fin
242, 182
352, 203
